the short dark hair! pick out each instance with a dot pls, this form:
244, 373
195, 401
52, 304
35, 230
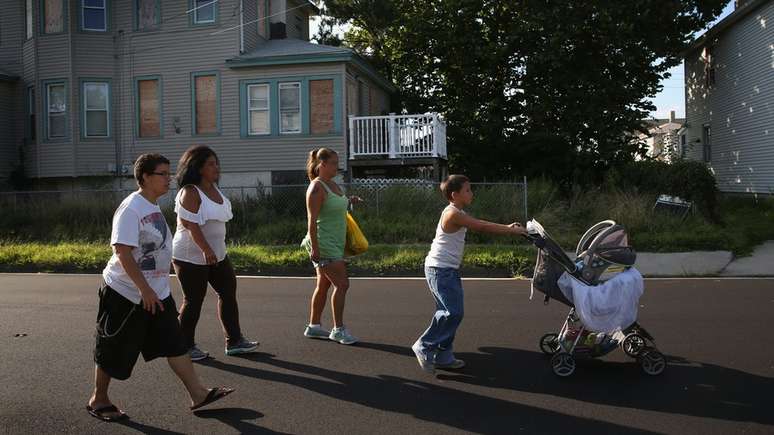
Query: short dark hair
146, 164
191, 163
453, 183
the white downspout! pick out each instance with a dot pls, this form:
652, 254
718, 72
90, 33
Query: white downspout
241, 27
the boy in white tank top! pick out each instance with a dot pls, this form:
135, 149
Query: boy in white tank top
434, 347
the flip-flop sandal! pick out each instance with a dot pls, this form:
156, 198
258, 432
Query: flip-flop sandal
214, 395
101, 413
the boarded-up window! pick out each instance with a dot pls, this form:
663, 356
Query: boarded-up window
205, 106
53, 16
149, 101
321, 106
147, 14
352, 98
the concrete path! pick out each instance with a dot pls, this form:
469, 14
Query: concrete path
760, 263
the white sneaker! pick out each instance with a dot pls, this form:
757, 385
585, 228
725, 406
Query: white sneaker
316, 332
342, 336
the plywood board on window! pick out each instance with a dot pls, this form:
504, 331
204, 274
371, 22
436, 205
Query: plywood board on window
321, 106
150, 124
54, 22
206, 104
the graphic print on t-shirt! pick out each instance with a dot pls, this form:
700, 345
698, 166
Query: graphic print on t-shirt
153, 238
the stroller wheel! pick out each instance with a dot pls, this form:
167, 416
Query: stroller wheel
652, 361
633, 344
549, 343
563, 364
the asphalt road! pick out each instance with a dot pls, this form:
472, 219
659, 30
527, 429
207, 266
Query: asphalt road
720, 378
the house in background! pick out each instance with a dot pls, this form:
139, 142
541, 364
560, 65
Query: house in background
95, 83
729, 99
663, 138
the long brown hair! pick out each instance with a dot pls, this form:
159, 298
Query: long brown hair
315, 158
191, 162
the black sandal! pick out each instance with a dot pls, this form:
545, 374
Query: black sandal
100, 413
214, 395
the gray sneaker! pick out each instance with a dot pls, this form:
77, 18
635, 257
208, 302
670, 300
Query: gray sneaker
426, 365
242, 346
197, 354
316, 332
456, 364
342, 336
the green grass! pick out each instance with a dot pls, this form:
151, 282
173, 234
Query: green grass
71, 234
380, 260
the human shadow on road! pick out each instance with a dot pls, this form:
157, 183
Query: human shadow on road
686, 387
389, 348
144, 428
238, 418
426, 401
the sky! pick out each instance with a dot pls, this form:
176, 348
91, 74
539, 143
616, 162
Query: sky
671, 97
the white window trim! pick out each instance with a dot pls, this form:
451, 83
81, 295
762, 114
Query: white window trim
196, 19
49, 112
267, 110
281, 109
86, 110
83, 16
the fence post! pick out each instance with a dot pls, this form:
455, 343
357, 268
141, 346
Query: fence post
393, 136
526, 197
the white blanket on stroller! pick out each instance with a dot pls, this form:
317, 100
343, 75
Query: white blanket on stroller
607, 307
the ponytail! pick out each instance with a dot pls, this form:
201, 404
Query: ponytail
316, 157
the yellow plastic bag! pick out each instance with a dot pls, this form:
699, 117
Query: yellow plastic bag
356, 242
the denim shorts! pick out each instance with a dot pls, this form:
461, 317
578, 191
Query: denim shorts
326, 261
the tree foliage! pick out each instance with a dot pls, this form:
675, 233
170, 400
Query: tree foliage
541, 87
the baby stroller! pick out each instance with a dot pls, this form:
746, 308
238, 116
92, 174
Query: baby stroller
602, 253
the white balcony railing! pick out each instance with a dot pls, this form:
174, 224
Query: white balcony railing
397, 136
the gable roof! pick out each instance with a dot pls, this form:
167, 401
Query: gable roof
739, 13
291, 51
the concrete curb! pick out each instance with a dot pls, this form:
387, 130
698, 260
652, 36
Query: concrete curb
683, 264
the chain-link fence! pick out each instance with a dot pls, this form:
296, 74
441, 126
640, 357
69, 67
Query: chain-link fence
404, 212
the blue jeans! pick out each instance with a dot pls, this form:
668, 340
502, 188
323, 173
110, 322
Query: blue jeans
435, 344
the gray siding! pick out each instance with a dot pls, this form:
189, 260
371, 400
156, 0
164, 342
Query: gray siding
9, 121
29, 76
297, 23
237, 154
12, 33
739, 107
371, 99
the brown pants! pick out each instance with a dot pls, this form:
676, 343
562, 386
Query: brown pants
194, 279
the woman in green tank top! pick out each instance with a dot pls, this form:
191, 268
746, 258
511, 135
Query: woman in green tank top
326, 209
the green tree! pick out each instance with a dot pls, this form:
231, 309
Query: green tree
545, 87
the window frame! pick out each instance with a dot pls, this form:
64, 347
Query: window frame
137, 81
84, 109
305, 101
193, 16
46, 85
30, 131
290, 85
268, 110
706, 143
105, 12
42, 18
194, 75
136, 17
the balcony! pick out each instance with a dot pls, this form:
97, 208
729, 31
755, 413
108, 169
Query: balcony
397, 137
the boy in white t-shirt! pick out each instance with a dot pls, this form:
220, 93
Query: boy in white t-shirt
433, 349
137, 313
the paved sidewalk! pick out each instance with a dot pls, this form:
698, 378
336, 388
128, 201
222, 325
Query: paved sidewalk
760, 263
